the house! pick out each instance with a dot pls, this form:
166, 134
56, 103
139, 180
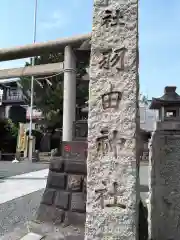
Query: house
13, 104
12, 101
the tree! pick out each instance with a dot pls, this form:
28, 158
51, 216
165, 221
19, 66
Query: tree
48, 93
143, 99
8, 133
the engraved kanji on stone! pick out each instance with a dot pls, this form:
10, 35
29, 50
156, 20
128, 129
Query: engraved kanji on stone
101, 191
111, 99
113, 58
105, 61
104, 3
112, 18
118, 58
103, 143
113, 193
109, 142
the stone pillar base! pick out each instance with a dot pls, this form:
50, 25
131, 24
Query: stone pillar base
64, 199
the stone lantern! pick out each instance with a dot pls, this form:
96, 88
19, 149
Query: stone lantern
168, 106
164, 168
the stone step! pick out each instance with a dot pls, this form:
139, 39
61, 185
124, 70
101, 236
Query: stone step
44, 156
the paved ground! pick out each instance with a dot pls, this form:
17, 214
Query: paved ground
20, 194
8, 169
21, 188
15, 213
144, 181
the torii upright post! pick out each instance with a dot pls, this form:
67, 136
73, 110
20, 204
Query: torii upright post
113, 124
69, 101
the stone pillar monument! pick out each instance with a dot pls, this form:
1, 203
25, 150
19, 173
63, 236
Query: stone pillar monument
164, 187
112, 164
69, 103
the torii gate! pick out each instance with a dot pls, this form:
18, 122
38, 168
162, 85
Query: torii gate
74, 48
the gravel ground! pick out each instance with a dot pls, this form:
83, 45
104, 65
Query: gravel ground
15, 213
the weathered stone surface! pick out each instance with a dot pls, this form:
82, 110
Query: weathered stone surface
72, 166
164, 207
48, 196
55, 236
50, 214
113, 122
75, 182
56, 180
78, 202
56, 164
75, 218
71, 237
62, 199
85, 185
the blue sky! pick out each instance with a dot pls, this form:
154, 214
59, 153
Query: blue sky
159, 29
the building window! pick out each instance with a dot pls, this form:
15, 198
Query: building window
171, 113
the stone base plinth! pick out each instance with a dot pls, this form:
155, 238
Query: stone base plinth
64, 199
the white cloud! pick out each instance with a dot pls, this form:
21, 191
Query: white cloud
57, 20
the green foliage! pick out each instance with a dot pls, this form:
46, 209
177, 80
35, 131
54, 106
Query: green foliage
48, 98
8, 133
144, 99
12, 128
7, 129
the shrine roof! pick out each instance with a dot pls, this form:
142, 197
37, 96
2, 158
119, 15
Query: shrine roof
170, 98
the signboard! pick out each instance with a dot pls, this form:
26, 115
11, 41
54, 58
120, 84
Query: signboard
36, 114
1, 96
76, 150
22, 138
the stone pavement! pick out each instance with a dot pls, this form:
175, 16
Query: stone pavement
21, 189
9, 169
37, 231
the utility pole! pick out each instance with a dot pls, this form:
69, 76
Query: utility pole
32, 89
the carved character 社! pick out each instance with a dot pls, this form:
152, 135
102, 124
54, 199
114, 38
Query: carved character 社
113, 194
112, 18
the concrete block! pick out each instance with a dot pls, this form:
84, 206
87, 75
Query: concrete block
62, 199
56, 164
76, 167
56, 180
48, 196
75, 182
78, 202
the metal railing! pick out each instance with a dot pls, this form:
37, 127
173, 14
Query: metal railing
13, 95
